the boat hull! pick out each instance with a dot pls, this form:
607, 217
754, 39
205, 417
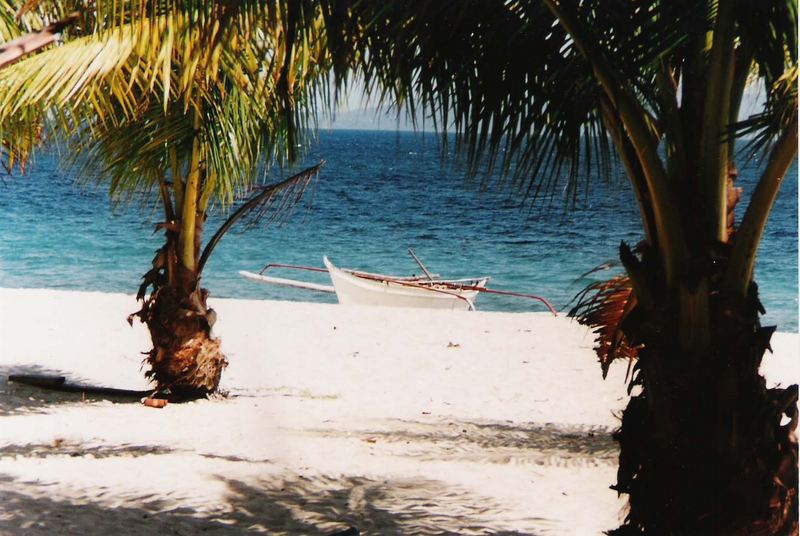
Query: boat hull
353, 289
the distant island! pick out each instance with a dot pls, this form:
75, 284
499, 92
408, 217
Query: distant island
373, 118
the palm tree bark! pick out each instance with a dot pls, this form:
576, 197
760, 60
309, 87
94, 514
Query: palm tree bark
720, 71
705, 446
186, 361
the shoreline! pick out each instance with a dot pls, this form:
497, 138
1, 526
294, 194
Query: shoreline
213, 299
391, 420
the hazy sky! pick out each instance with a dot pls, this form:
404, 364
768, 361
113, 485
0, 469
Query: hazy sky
355, 112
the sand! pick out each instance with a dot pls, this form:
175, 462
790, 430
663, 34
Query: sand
393, 421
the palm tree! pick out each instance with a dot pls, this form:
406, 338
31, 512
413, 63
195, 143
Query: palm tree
547, 89
181, 103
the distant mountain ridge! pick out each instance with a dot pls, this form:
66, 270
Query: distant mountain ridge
373, 119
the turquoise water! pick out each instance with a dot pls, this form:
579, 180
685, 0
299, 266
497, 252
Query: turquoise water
379, 194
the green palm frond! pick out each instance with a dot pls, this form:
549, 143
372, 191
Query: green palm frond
10, 27
29, 43
27, 132
130, 155
19, 18
132, 87
780, 111
507, 77
117, 61
23, 32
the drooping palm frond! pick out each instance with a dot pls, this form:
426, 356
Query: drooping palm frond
20, 18
24, 32
26, 133
508, 78
770, 29
132, 87
273, 202
10, 27
121, 62
482, 78
604, 306
130, 156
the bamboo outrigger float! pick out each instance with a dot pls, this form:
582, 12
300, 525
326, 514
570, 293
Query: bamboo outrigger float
366, 288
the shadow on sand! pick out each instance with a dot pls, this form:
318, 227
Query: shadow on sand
17, 398
62, 447
290, 505
459, 440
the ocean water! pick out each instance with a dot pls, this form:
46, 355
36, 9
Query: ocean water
379, 194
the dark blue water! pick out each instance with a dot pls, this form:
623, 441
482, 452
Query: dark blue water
379, 194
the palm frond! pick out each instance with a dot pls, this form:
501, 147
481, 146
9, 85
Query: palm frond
271, 203
507, 78
604, 306
122, 96
780, 110
29, 43
770, 28
20, 135
16, 20
26, 131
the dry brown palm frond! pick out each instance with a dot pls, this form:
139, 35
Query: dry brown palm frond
604, 306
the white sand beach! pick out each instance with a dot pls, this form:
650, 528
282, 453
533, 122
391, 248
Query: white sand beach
393, 421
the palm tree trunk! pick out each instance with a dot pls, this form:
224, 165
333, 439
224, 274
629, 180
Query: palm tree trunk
187, 245
702, 446
186, 361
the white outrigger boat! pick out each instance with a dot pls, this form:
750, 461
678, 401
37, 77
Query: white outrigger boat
366, 288
363, 288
